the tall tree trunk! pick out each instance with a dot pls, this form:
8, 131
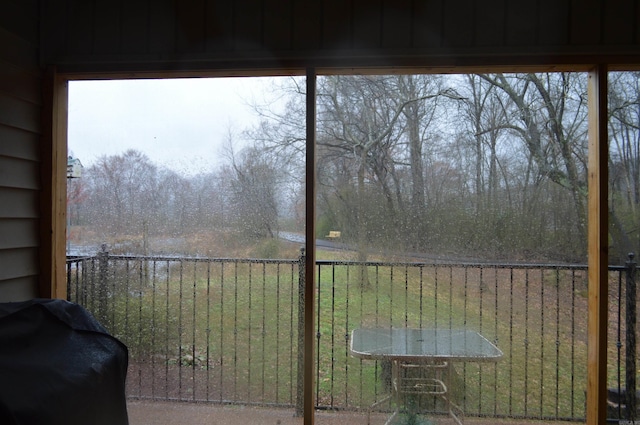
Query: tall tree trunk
362, 225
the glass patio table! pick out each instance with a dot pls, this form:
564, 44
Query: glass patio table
430, 350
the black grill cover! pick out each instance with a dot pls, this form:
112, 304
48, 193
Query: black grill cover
58, 365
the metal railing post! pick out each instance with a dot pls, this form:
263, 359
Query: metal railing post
68, 267
300, 378
103, 265
630, 349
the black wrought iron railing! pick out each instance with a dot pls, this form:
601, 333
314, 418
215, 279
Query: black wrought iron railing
230, 330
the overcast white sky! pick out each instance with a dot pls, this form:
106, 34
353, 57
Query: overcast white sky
180, 123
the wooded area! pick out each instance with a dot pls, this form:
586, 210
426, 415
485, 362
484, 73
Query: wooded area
490, 166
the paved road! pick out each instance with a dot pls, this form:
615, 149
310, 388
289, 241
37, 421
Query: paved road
322, 243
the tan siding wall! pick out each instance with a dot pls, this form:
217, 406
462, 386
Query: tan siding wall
19, 143
19, 17
86, 36
18, 233
20, 123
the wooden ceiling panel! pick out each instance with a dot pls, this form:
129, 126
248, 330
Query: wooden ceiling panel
134, 27
277, 24
396, 23
521, 23
459, 23
337, 19
80, 39
586, 22
306, 27
490, 24
427, 24
162, 27
249, 35
219, 29
106, 28
367, 28
190, 26
618, 29
248, 25
553, 22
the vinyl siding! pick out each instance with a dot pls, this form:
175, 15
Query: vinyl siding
20, 128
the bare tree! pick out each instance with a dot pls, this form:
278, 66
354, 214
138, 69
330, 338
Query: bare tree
404, 159
624, 157
123, 191
548, 113
254, 181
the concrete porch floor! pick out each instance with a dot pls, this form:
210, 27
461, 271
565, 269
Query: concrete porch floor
168, 413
